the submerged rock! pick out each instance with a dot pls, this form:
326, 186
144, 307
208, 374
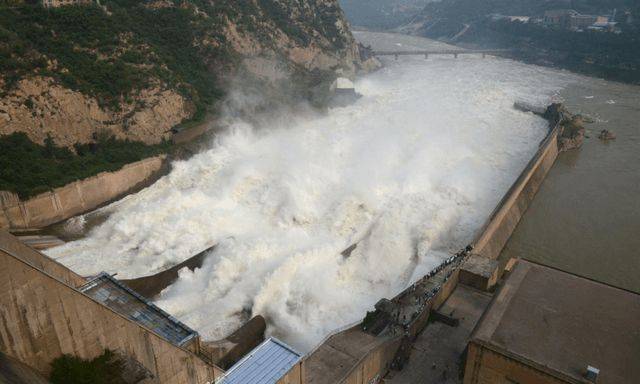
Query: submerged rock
606, 135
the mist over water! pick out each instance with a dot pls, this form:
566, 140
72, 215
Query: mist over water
408, 173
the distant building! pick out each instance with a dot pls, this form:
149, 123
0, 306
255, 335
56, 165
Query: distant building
605, 26
570, 19
628, 17
61, 3
558, 17
497, 17
581, 21
522, 19
547, 326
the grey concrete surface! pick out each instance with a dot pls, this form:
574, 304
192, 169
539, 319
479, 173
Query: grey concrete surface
437, 352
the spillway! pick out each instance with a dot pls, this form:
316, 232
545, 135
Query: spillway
408, 173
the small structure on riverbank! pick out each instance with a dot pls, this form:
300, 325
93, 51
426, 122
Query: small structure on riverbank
79, 196
343, 92
271, 362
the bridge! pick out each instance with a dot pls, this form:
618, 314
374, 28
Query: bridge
454, 52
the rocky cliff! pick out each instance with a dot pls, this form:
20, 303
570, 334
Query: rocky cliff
136, 69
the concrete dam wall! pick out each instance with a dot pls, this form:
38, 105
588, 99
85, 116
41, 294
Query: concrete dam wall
9, 243
44, 316
504, 219
76, 198
488, 243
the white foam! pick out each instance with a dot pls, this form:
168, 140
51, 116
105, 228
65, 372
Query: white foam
409, 173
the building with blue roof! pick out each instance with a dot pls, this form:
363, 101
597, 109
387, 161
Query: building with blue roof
272, 362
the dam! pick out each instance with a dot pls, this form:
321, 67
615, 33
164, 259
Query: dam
407, 174
360, 353
315, 218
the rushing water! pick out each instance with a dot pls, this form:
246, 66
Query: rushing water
408, 173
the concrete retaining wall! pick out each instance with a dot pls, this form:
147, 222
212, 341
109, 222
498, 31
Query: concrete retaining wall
504, 219
372, 368
42, 318
77, 197
294, 376
9, 243
4, 220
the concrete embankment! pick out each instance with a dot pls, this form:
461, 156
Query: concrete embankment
44, 316
78, 197
504, 219
379, 353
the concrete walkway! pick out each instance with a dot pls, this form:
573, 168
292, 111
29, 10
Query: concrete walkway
436, 354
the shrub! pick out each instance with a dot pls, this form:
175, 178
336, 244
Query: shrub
27, 168
104, 369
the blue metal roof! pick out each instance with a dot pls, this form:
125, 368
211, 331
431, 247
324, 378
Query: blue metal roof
120, 298
266, 364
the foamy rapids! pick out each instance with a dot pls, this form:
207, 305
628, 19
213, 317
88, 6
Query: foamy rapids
409, 173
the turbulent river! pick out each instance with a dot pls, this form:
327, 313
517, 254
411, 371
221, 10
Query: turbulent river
408, 173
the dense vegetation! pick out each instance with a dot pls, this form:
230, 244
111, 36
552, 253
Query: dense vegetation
43, 167
608, 55
113, 49
109, 55
104, 369
381, 14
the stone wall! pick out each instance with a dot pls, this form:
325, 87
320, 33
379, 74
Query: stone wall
504, 219
76, 198
42, 318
